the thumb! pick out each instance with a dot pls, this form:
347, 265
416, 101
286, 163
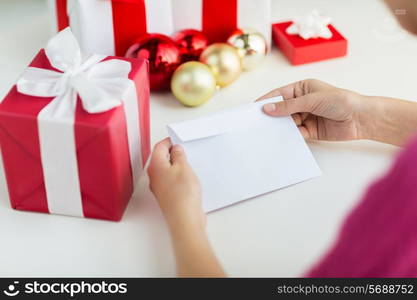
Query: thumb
291, 106
178, 155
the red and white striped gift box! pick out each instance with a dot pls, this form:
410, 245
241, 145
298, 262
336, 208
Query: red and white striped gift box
109, 27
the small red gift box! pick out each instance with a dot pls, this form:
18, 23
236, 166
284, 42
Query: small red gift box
70, 145
300, 51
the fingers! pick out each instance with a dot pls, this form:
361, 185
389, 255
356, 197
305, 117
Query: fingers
271, 94
298, 120
160, 157
293, 90
295, 96
304, 132
178, 155
288, 107
164, 156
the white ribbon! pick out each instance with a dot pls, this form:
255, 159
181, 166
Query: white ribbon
92, 23
310, 26
101, 85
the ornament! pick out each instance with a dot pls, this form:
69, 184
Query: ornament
163, 55
191, 43
251, 46
193, 83
310, 26
224, 61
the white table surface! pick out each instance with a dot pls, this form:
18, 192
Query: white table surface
279, 234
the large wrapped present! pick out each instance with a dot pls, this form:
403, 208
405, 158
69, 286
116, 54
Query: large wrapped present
74, 132
309, 39
219, 18
110, 27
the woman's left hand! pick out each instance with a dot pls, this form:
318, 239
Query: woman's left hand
176, 187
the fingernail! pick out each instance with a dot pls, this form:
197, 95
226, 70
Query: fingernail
270, 107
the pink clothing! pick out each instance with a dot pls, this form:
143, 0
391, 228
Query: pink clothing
379, 238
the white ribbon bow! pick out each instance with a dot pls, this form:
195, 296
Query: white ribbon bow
101, 85
310, 26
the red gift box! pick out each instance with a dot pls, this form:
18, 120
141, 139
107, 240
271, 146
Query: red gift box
102, 148
300, 51
110, 27
218, 19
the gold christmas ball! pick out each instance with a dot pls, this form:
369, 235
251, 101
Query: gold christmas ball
224, 61
193, 83
251, 46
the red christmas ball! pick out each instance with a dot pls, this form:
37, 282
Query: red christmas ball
163, 55
191, 43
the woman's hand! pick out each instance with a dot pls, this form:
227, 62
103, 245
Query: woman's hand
178, 191
176, 187
324, 112
321, 111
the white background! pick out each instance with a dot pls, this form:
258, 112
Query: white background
279, 234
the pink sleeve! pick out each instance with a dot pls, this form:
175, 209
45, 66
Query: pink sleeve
379, 237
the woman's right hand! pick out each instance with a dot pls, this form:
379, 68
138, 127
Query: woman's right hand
322, 111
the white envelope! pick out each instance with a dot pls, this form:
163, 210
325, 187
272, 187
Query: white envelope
241, 153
